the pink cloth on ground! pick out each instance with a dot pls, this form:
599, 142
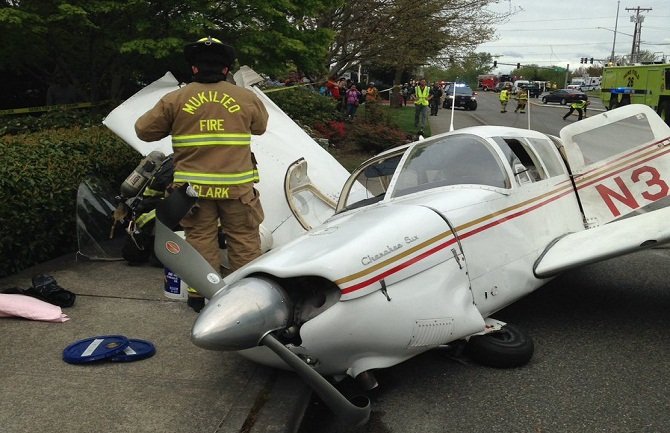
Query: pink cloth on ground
30, 308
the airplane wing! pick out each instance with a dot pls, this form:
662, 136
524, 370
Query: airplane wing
610, 240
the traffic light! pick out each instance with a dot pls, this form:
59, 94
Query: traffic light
518, 65
581, 60
591, 60
495, 63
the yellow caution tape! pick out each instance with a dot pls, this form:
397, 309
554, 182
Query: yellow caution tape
47, 108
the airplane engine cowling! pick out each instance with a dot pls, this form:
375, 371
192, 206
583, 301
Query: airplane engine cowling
239, 315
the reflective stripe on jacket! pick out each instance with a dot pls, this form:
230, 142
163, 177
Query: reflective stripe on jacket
421, 95
578, 104
211, 126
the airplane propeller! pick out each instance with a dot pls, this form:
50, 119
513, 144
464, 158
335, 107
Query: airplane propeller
241, 315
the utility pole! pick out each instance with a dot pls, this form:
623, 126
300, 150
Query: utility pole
637, 19
616, 23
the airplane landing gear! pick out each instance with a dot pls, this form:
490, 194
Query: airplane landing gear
508, 347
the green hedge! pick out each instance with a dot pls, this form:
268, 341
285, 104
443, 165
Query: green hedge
39, 176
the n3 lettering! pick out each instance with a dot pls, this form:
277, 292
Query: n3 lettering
657, 189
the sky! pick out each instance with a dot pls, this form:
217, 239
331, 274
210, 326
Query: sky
561, 32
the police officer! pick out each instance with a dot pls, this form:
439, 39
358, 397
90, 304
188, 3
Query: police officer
211, 122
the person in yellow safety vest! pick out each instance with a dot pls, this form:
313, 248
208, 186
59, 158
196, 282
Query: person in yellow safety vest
211, 122
521, 101
504, 97
580, 106
422, 93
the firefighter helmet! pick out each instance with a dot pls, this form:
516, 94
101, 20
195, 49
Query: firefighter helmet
210, 50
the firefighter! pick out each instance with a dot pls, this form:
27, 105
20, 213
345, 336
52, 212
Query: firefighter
521, 101
504, 97
578, 105
211, 122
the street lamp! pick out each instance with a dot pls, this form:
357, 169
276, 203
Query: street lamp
614, 42
616, 24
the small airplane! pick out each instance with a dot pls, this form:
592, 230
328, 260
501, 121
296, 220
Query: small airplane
422, 244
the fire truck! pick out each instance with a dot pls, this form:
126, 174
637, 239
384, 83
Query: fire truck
638, 84
487, 82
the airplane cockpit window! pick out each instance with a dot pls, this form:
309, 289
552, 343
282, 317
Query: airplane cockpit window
597, 144
375, 178
453, 160
549, 155
525, 164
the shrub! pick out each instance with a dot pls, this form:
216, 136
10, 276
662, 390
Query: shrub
304, 105
375, 137
39, 177
49, 120
335, 131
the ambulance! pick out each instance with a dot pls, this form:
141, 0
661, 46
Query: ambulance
638, 84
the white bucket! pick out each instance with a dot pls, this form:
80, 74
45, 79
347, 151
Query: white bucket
174, 287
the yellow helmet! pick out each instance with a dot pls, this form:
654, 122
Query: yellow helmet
209, 50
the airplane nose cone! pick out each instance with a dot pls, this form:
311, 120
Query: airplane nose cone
240, 314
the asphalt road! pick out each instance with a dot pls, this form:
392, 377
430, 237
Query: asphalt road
601, 355
547, 118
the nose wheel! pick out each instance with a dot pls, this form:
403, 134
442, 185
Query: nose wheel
507, 347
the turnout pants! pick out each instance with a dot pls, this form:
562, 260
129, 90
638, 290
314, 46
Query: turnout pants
239, 219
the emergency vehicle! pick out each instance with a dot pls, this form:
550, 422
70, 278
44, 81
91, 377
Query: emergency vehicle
487, 82
638, 84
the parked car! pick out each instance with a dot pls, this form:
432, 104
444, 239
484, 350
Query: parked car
564, 96
465, 97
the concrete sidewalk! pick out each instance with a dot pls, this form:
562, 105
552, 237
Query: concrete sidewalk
181, 389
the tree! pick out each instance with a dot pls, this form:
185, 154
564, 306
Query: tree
108, 48
406, 34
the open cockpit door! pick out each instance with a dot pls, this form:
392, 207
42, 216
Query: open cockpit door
620, 162
309, 205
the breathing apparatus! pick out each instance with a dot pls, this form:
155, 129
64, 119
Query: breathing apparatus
137, 180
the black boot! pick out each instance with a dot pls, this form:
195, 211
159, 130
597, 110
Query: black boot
196, 302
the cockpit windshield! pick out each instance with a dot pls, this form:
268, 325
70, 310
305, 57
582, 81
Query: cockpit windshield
455, 159
452, 160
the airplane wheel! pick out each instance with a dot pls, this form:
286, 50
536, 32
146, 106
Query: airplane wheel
508, 348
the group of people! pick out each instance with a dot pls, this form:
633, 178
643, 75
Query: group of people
348, 95
521, 97
506, 94
425, 98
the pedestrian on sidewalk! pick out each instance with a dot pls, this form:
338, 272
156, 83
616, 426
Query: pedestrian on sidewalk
435, 95
422, 93
353, 100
